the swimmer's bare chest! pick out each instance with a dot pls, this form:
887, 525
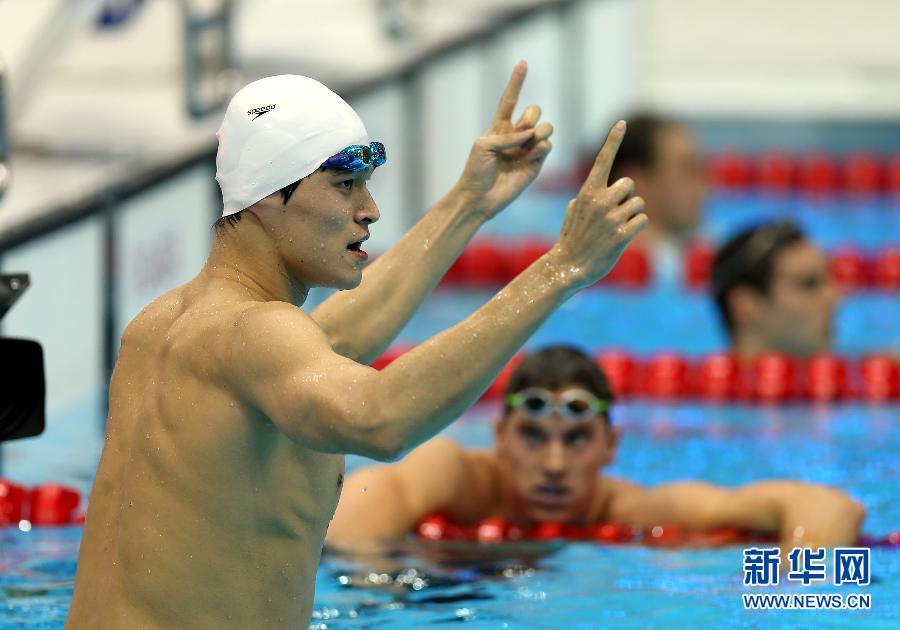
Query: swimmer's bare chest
308, 483
207, 423
239, 508
194, 486
266, 486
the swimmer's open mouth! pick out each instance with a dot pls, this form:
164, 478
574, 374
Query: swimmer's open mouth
559, 491
356, 246
553, 495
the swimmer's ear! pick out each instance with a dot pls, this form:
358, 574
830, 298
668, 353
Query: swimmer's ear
745, 304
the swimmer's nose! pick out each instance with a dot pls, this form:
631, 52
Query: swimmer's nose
368, 213
554, 460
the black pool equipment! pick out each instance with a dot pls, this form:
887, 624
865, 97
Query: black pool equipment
22, 386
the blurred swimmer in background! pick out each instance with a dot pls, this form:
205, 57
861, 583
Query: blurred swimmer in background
662, 157
231, 408
774, 292
551, 443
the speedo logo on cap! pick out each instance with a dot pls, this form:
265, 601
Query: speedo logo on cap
259, 111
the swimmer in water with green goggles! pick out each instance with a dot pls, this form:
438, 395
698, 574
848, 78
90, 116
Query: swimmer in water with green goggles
231, 409
551, 444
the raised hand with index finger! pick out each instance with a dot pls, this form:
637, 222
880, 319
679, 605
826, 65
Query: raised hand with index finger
509, 155
602, 220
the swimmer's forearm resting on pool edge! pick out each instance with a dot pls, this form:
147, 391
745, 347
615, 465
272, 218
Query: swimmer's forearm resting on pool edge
285, 366
362, 322
803, 514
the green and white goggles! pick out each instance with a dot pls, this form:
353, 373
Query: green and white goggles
575, 404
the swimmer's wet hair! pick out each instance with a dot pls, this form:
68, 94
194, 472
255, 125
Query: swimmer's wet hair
288, 190
555, 367
233, 219
748, 259
639, 146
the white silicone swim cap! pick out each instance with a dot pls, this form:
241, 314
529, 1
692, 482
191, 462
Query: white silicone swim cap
278, 130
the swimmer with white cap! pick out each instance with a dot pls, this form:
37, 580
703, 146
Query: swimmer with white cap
231, 408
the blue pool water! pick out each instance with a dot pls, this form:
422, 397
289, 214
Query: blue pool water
852, 446
583, 585
644, 322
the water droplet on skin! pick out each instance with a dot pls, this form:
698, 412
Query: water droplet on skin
365, 489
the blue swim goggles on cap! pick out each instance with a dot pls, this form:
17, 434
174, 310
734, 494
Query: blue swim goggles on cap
357, 157
575, 404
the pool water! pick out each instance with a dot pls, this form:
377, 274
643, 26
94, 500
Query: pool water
583, 585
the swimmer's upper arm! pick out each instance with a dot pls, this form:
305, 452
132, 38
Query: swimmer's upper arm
687, 504
386, 502
696, 505
282, 364
802, 513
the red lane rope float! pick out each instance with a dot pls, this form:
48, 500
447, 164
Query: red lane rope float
55, 504
438, 527
815, 174
770, 379
488, 263
47, 504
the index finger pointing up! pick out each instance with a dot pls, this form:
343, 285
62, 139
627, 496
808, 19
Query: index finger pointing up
511, 94
599, 175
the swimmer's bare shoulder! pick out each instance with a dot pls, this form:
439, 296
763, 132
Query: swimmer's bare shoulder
613, 499
252, 349
282, 364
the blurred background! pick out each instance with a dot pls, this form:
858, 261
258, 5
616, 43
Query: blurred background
108, 139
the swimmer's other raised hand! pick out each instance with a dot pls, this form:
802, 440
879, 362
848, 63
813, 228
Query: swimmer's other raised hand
508, 156
601, 220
